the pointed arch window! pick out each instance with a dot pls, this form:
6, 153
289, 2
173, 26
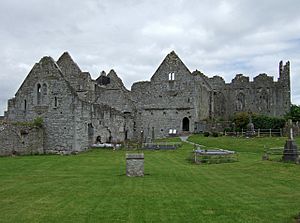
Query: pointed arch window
171, 76
38, 93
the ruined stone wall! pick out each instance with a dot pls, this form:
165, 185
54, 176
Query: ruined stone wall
263, 95
20, 140
110, 125
116, 98
48, 95
156, 123
78, 111
79, 80
166, 100
202, 97
112, 92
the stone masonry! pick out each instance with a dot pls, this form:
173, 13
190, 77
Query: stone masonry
20, 140
79, 111
135, 165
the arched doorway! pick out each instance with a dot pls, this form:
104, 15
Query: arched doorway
185, 124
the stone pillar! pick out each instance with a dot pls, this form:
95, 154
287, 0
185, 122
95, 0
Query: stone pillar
135, 165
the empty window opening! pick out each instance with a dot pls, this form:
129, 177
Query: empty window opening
25, 105
185, 124
38, 94
172, 131
55, 102
171, 76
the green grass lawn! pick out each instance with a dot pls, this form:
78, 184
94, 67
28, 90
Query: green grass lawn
93, 187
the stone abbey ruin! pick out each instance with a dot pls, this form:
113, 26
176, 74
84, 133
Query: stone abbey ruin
78, 111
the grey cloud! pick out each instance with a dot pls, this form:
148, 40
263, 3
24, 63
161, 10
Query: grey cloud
218, 37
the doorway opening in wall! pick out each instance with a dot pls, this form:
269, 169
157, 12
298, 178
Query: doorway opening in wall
98, 139
109, 140
126, 135
185, 124
90, 133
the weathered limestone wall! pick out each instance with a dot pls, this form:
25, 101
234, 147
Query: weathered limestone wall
48, 95
165, 101
114, 97
111, 125
263, 95
20, 140
78, 111
156, 123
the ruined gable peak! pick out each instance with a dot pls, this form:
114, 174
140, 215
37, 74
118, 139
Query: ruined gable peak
172, 57
173, 61
115, 80
68, 65
112, 72
171, 64
47, 63
46, 59
45, 67
172, 54
66, 56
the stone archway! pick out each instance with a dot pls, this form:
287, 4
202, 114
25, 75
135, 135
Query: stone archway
185, 124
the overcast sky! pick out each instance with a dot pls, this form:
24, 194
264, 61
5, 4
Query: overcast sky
133, 36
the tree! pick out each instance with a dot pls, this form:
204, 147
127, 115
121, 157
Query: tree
241, 120
294, 113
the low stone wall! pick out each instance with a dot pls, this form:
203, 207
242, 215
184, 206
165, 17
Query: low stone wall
20, 140
161, 146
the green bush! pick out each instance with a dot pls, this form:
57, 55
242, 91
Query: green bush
228, 130
206, 134
38, 122
265, 122
241, 120
215, 134
294, 113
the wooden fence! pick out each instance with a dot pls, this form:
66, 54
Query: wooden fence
257, 133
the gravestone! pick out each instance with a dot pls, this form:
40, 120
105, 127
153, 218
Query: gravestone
135, 165
290, 152
250, 128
